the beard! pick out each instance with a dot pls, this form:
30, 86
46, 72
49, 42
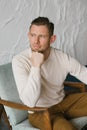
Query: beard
39, 50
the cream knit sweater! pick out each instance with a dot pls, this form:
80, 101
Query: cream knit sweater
44, 86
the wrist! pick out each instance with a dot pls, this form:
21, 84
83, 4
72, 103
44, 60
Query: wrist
37, 66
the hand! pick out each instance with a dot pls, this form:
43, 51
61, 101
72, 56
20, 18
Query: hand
37, 59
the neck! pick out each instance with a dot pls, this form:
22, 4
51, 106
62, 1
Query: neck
46, 53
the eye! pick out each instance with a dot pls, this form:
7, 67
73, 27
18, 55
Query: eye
33, 35
42, 36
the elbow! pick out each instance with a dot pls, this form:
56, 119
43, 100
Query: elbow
32, 105
29, 99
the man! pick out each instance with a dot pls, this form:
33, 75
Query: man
39, 74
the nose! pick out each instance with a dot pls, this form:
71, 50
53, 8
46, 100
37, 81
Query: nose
37, 39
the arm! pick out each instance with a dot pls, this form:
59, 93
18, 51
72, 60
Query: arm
28, 83
78, 70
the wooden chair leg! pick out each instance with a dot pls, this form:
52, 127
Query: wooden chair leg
1, 110
6, 119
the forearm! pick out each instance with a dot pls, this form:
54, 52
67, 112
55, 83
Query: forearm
28, 83
32, 89
78, 70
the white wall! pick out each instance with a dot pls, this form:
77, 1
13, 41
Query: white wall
69, 17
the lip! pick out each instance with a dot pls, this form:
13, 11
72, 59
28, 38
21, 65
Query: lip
37, 47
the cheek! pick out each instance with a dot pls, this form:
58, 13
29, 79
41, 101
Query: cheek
45, 44
31, 40
44, 41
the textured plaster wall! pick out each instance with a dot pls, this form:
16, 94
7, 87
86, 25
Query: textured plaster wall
69, 17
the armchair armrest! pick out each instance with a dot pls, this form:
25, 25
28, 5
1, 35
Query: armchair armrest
79, 85
20, 106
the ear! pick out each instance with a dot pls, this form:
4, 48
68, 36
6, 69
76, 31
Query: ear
52, 39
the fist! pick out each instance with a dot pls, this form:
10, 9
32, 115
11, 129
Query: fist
37, 59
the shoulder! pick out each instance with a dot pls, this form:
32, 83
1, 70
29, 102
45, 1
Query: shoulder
59, 53
23, 57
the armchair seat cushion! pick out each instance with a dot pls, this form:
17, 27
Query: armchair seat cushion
79, 122
24, 125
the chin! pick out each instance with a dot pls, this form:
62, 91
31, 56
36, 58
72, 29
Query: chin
36, 50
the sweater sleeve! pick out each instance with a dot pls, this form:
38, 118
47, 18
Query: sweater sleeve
28, 83
78, 70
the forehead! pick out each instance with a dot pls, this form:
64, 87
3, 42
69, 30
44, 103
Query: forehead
39, 28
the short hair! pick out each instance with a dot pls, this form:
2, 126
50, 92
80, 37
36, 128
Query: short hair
44, 21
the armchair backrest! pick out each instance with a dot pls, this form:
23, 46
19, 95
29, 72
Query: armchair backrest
8, 91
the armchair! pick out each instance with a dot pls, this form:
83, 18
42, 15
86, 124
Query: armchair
15, 112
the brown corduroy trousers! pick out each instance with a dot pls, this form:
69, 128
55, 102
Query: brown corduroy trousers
74, 105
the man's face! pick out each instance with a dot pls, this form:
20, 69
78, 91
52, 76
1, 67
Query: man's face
39, 38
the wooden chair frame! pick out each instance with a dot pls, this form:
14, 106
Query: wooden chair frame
46, 115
